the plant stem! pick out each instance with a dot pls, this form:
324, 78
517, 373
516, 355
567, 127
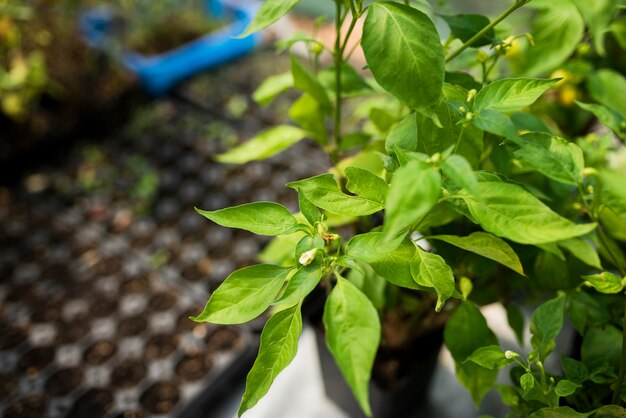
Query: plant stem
338, 56
622, 365
473, 39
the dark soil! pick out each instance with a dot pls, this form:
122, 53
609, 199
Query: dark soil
35, 360
161, 397
194, 366
28, 407
8, 385
72, 332
223, 339
162, 301
95, 403
99, 353
161, 346
128, 373
11, 337
63, 382
135, 325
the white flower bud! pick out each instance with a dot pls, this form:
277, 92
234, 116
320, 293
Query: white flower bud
510, 354
307, 257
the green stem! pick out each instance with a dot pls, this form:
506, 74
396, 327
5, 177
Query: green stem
338, 56
622, 365
473, 39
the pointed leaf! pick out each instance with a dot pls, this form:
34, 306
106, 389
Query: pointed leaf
612, 191
497, 123
272, 87
605, 282
583, 251
352, 334
412, 194
404, 53
324, 193
301, 284
244, 295
608, 117
511, 94
488, 246
270, 12
279, 344
366, 184
545, 324
465, 26
460, 171
431, 270
508, 210
261, 218
305, 80
490, 357
266, 144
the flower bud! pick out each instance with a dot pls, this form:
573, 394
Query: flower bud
510, 354
307, 257
470, 95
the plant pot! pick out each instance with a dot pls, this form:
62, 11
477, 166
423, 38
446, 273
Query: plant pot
415, 365
159, 73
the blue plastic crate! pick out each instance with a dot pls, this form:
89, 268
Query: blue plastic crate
159, 73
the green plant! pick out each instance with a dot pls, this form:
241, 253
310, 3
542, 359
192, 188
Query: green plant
458, 156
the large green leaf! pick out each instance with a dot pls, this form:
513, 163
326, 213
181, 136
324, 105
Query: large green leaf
272, 87
598, 15
324, 193
490, 357
366, 184
613, 191
244, 295
352, 334
301, 284
488, 246
307, 112
552, 156
431, 270
583, 251
601, 347
279, 344
404, 53
262, 218
466, 332
545, 324
306, 81
511, 94
509, 211
495, 122
403, 135
390, 259
607, 88
266, 144
413, 192
556, 33
608, 117
465, 26
270, 12
457, 169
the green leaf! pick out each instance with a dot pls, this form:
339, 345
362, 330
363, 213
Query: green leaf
605, 282
352, 84
612, 191
566, 387
545, 324
607, 87
307, 243
574, 370
608, 117
460, 172
279, 344
352, 334
404, 53
490, 357
552, 156
509, 211
261, 218
488, 246
403, 135
272, 87
305, 80
390, 259
465, 332
266, 144
497, 123
366, 184
301, 284
270, 12
309, 210
324, 193
556, 33
412, 194
307, 113
432, 139
244, 295
511, 94
583, 251
611, 411
559, 412
431, 270
527, 382
465, 26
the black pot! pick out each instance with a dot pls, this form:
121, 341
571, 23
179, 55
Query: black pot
416, 365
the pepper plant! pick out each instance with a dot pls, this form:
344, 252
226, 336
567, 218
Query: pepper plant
483, 196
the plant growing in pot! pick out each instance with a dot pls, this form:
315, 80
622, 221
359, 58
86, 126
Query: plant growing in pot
453, 162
